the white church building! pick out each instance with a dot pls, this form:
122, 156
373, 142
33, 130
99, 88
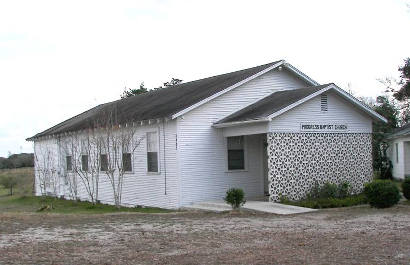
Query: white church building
270, 130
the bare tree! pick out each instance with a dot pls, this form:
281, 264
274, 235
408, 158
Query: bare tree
88, 163
83, 150
45, 169
118, 143
69, 148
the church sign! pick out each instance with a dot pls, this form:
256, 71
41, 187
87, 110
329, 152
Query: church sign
314, 127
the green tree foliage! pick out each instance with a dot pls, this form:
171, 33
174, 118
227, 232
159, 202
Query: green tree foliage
390, 111
129, 92
173, 82
9, 182
17, 161
405, 186
403, 93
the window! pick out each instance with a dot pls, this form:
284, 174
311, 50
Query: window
103, 162
323, 102
152, 152
397, 153
236, 153
84, 163
69, 163
126, 162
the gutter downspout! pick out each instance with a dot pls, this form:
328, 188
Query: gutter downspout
165, 159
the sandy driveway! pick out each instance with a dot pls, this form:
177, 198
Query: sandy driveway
358, 235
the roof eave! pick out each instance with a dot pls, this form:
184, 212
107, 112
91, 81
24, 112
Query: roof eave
237, 123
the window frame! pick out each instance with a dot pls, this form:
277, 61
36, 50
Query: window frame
245, 155
397, 152
158, 153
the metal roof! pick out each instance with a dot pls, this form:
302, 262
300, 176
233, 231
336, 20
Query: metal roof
155, 104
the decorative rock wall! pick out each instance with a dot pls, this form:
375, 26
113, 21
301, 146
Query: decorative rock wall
298, 160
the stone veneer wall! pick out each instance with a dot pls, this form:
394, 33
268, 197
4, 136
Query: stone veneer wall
298, 160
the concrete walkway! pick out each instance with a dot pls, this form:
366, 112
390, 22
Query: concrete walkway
261, 206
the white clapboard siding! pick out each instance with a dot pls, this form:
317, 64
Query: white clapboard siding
202, 148
40, 149
141, 187
340, 111
399, 163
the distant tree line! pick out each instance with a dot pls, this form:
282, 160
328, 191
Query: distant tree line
17, 161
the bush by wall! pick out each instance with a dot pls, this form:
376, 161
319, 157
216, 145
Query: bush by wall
405, 186
320, 203
330, 190
235, 197
382, 193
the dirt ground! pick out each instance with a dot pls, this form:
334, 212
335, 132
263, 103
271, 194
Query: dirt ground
356, 235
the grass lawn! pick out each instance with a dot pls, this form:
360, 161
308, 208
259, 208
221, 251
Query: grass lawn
23, 201
33, 204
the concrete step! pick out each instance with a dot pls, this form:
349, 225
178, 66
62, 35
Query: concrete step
269, 207
208, 207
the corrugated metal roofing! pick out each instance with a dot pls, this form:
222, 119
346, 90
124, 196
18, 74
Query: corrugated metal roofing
271, 104
156, 104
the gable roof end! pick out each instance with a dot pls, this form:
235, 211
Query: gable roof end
280, 102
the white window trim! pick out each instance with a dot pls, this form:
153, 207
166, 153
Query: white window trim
245, 155
158, 152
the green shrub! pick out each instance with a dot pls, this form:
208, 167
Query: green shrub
328, 190
314, 192
343, 190
320, 203
9, 182
382, 193
405, 186
235, 197
283, 199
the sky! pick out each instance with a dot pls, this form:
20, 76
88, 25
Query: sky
60, 58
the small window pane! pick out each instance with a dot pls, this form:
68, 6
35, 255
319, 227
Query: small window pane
397, 153
152, 158
104, 162
69, 163
152, 152
236, 154
84, 163
152, 142
126, 162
